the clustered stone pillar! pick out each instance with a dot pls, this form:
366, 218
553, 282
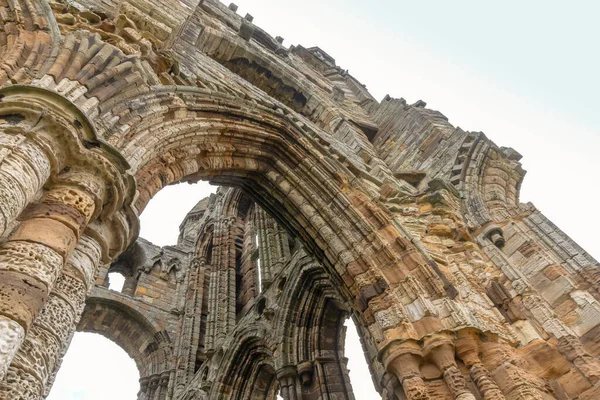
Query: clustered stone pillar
163, 383
322, 378
403, 360
222, 295
46, 342
24, 168
79, 273
193, 325
154, 387
441, 351
32, 259
329, 376
467, 351
287, 383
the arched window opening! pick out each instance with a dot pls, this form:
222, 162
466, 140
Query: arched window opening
92, 357
240, 268
262, 304
257, 258
239, 280
116, 281
360, 376
209, 251
122, 275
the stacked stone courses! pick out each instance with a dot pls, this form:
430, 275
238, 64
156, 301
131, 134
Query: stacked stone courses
332, 205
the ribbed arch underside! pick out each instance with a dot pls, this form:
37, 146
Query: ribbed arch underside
249, 372
126, 327
306, 206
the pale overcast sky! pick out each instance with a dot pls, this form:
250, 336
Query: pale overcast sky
524, 73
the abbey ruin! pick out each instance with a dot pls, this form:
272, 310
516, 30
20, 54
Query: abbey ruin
332, 205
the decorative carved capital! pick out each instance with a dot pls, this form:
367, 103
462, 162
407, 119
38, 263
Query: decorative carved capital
305, 370
440, 349
77, 155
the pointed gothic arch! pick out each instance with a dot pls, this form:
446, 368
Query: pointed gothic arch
247, 371
281, 166
87, 102
311, 323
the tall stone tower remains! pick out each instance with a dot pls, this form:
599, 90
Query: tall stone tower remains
332, 205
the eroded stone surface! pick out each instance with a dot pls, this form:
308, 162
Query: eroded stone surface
345, 206
11, 336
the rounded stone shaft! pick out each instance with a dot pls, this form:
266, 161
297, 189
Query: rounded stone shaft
46, 342
24, 169
32, 259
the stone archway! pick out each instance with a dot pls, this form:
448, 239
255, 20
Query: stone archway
121, 321
280, 166
102, 106
246, 371
144, 331
297, 317
94, 365
312, 356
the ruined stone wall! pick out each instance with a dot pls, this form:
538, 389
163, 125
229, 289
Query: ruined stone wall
343, 206
261, 319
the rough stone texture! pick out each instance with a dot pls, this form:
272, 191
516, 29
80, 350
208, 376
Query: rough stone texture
337, 206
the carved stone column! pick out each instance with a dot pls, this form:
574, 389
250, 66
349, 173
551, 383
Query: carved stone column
155, 386
152, 387
39, 135
144, 388
163, 384
32, 259
193, 324
403, 360
47, 340
441, 351
466, 350
327, 376
24, 168
506, 370
222, 296
53, 145
287, 383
